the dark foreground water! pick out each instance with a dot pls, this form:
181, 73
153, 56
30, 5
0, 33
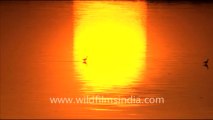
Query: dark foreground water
141, 49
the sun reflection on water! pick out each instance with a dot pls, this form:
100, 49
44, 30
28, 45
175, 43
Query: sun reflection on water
113, 36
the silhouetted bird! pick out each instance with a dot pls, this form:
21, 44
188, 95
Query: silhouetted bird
85, 60
206, 63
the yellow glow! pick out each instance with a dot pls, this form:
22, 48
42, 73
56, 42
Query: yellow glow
112, 35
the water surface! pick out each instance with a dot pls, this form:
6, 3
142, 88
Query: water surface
141, 48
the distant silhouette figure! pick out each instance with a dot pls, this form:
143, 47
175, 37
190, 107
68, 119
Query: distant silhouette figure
85, 60
206, 63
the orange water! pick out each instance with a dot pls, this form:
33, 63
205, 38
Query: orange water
133, 49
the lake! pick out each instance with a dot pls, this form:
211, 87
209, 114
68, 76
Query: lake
131, 49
